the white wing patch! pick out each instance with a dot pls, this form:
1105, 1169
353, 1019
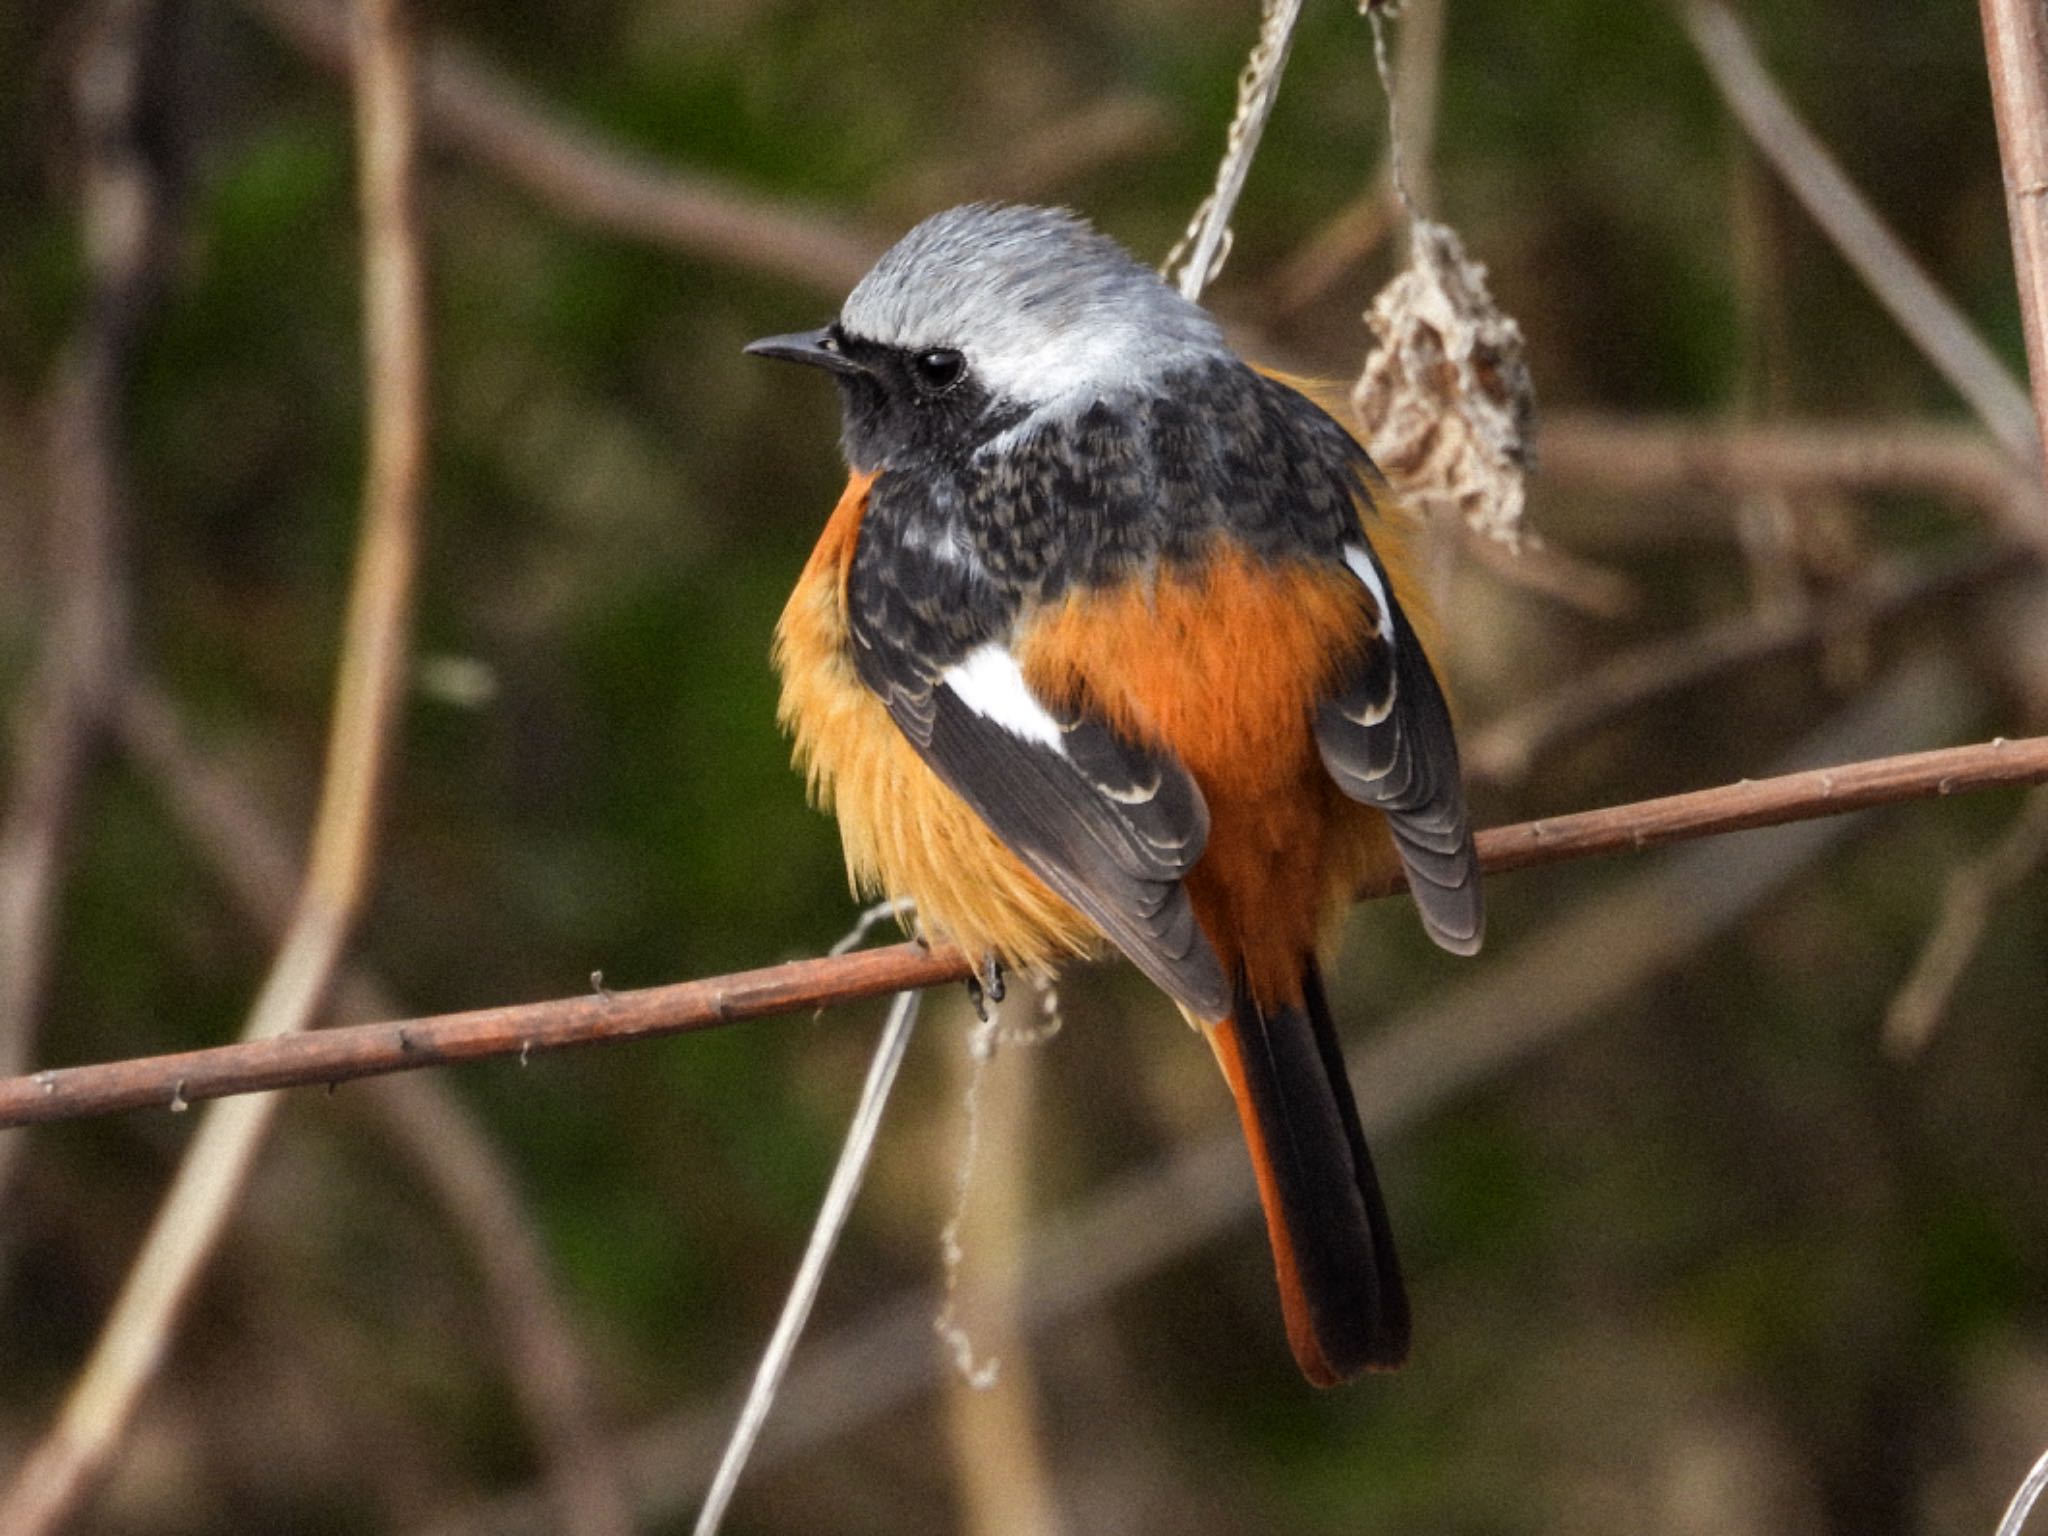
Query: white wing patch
989, 682
1362, 567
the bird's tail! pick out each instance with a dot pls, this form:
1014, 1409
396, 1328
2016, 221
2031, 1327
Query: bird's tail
1340, 1283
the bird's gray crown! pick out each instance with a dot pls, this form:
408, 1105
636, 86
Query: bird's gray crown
1046, 310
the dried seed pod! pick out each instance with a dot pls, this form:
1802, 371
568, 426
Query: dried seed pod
1445, 403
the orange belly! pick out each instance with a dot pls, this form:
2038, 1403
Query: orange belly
1225, 668
1222, 668
906, 833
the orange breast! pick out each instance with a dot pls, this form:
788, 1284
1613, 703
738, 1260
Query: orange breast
1224, 668
906, 834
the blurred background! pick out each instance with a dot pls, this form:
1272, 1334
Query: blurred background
1721, 1178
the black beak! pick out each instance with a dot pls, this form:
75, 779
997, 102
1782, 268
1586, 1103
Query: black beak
818, 348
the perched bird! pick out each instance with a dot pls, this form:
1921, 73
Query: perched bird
1097, 644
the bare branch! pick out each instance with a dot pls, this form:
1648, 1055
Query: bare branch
454, 1155
2016, 46
578, 174
1506, 748
1635, 457
1465, 1036
340, 1055
59, 729
1926, 314
66, 1464
1999, 763
2014, 1521
1967, 908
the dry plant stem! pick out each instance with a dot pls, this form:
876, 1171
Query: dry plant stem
2024, 1498
1967, 908
63, 1467
577, 174
1461, 1040
58, 731
1208, 236
1922, 310
997, 1452
339, 1055
1635, 457
456, 1161
2016, 48
810, 1276
545, 1360
1361, 225
1506, 748
1048, 159
1552, 573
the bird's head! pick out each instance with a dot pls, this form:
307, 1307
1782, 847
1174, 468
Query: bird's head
985, 317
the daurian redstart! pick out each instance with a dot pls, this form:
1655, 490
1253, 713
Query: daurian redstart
1097, 645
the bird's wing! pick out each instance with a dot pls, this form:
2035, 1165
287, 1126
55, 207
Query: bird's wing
1108, 824
1385, 737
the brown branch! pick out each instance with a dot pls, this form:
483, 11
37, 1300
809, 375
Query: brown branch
1548, 571
1507, 747
521, 1030
580, 175
1464, 1036
63, 1468
1927, 315
455, 1158
2016, 48
60, 727
340, 1055
1636, 457
1967, 908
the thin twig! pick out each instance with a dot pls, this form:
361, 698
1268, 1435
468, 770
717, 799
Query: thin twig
457, 1162
803, 1292
1637, 457
63, 1468
2016, 47
1507, 747
1360, 227
1967, 908
580, 175
1940, 330
1465, 1037
2024, 1498
1552, 572
1048, 158
340, 1055
1207, 241
59, 730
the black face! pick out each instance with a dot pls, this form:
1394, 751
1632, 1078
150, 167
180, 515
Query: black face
900, 407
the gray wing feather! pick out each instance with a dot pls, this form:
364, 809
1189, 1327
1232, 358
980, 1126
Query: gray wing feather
1385, 737
1108, 825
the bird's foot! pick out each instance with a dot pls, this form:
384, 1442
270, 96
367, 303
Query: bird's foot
986, 986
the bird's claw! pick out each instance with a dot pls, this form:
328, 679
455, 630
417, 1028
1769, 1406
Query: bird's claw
986, 986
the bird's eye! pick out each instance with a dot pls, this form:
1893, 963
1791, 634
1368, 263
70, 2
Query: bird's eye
939, 369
